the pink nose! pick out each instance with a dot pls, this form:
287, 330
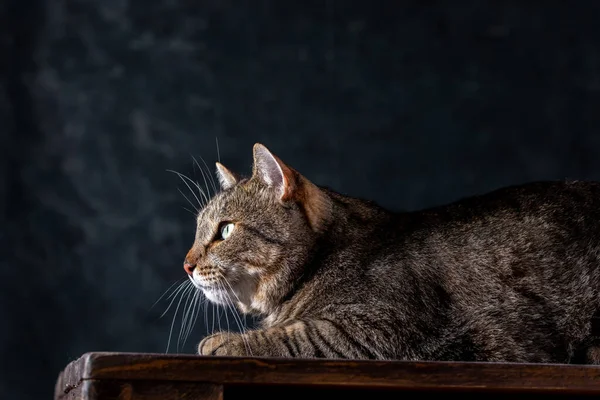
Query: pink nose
188, 268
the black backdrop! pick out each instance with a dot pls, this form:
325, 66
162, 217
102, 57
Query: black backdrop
411, 104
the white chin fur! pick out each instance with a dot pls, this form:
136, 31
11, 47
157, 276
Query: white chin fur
240, 292
215, 295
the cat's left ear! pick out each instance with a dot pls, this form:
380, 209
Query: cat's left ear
227, 178
273, 172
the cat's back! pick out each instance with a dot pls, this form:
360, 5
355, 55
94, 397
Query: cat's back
550, 198
524, 233
524, 227
537, 240
521, 221
569, 207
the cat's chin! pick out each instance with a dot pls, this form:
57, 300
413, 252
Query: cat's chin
217, 296
240, 293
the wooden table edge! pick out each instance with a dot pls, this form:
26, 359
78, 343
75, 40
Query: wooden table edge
347, 373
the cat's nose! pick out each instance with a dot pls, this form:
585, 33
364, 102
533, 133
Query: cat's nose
189, 268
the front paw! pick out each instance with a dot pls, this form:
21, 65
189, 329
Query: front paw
221, 344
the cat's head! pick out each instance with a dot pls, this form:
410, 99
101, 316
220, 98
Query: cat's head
254, 237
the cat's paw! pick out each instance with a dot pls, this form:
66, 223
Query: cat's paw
221, 344
211, 344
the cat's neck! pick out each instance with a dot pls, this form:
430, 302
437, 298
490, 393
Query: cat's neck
352, 221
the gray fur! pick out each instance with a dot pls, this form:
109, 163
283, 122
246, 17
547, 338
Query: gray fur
512, 275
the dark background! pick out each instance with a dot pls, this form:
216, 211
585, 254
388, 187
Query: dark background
412, 104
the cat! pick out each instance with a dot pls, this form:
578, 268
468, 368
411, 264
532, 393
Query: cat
509, 276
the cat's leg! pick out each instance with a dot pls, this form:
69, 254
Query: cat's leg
301, 339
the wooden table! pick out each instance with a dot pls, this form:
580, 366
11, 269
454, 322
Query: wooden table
126, 376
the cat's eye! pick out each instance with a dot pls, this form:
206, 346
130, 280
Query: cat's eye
226, 230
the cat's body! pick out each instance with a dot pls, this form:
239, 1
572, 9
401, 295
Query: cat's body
513, 275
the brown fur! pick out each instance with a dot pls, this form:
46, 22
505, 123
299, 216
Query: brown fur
513, 275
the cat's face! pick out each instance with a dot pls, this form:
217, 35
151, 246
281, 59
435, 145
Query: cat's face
253, 238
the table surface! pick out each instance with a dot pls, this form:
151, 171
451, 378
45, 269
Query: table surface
133, 374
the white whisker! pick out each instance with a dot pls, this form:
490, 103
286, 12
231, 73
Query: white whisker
206, 314
196, 310
237, 317
189, 201
219, 319
179, 289
184, 317
226, 305
201, 192
212, 331
185, 180
189, 318
165, 293
195, 214
183, 293
204, 176
206, 195
232, 291
210, 176
241, 325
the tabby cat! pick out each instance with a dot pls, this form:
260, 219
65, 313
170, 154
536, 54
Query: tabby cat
512, 275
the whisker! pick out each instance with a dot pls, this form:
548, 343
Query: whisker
240, 327
180, 286
218, 152
206, 195
184, 293
186, 309
226, 306
212, 331
219, 318
234, 309
201, 191
196, 164
204, 175
184, 316
185, 180
232, 291
210, 175
165, 293
195, 312
189, 201
237, 317
193, 315
206, 314
179, 289
195, 214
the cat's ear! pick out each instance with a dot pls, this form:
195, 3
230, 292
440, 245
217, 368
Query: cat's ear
273, 172
291, 186
227, 178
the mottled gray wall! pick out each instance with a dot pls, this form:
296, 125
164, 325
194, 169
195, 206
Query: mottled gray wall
411, 104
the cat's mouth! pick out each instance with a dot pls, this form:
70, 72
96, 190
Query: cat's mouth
197, 284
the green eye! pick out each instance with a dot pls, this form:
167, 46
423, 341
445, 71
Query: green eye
226, 230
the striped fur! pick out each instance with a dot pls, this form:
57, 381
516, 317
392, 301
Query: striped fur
512, 275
